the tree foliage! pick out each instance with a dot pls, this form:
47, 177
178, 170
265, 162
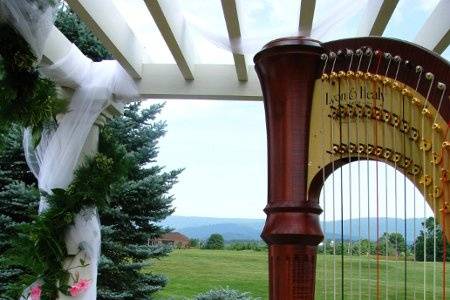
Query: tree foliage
78, 33
424, 244
18, 197
137, 203
215, 242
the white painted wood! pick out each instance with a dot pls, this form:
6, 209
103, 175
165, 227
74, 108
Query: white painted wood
216, 82
234, 32
307, 8
113, 31
376, 17
435, 33
172, 26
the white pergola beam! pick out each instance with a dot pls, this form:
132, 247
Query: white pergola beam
172, 26
307, 8
435, 33
113, 31
234, 32
215, 82
376, 17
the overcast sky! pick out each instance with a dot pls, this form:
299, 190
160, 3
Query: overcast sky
222, 144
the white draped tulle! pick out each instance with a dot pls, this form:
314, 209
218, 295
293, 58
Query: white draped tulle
250, 45
32, 19
60, 151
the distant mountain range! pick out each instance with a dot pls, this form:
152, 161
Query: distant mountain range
250, 229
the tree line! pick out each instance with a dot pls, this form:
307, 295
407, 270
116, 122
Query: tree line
393, 244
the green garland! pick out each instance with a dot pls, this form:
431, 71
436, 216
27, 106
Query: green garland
29, 100
39, 248
25, 98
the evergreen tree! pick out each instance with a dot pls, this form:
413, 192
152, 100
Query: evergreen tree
137, 203
78, 33
19, 196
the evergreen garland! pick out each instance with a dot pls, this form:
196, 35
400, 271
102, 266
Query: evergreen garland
39, 247
25, 98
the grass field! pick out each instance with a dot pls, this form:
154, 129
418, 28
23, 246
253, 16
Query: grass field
193, 271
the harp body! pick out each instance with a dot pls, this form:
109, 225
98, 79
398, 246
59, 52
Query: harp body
324, 112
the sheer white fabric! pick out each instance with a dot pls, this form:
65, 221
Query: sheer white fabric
250, 45
32, 19
59, 152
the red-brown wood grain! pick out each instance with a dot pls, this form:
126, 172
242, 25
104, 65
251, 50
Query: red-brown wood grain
287, 69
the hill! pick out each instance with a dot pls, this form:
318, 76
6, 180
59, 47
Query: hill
250, 229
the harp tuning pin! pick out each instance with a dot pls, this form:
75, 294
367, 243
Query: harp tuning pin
446, 145
436, 158
324, 77
437, 127
419, 69
387, 55
369, 51
397, 58
425, 145
349, 52
441, 86
406, 92
332, 54
427, 113
425, 180
429, 76
395, 86
437, 192
359, 52
416, 101
324, 56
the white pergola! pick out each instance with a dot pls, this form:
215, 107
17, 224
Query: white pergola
187, 80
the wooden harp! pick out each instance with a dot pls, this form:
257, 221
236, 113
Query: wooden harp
329, 104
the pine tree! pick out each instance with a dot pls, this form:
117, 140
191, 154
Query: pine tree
19, 196
137, 203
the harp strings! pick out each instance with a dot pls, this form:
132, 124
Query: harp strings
435, 126
369, 53
349, 123
385, 129
324, 57
333, 76
359, 53
419, 70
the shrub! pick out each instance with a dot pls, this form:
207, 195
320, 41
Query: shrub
215, 241
225, 294
250, 245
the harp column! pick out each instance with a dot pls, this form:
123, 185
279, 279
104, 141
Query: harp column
287, 69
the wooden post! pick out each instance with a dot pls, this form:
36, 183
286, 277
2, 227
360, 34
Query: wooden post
287, 69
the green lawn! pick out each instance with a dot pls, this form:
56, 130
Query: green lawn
193, 271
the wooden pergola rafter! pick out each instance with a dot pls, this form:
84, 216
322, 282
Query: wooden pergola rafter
187, 80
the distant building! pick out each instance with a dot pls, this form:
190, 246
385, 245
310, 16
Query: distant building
174, 239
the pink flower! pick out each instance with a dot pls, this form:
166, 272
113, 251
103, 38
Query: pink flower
79, 287
36, 292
